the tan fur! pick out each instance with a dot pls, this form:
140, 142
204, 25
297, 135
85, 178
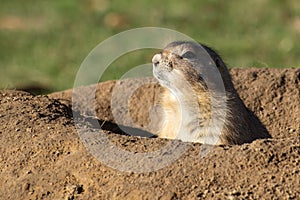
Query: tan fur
171, 114
194, 113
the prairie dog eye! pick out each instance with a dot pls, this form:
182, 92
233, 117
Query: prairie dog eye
188, 55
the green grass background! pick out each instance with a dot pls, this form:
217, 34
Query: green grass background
44, 41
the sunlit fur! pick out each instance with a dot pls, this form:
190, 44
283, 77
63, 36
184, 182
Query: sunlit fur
192, 111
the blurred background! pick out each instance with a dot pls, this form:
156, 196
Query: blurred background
43, 43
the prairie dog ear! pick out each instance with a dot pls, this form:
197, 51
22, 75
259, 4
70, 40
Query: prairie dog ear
214, 56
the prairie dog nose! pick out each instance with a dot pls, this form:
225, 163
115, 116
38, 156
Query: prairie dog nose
156, 59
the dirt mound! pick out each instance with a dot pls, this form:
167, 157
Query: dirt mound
43, 157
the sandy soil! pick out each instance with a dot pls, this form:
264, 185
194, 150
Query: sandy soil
43, 157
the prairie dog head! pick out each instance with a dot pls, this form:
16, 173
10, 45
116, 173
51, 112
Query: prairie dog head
182, 63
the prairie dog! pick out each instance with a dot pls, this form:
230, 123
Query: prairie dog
196, 107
